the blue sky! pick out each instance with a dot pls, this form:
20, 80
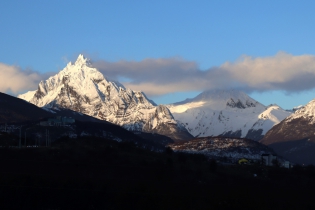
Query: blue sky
40, 37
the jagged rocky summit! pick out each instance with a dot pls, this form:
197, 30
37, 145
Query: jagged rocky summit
229, 113
82, 88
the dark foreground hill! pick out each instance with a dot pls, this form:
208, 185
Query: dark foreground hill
17, 110
16, 113
13, 110
33, 134
104, 174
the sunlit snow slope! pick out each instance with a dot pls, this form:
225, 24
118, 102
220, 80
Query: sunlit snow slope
82, 88
227, 113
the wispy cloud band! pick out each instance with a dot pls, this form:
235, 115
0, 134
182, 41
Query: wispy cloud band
160, 76
168, 75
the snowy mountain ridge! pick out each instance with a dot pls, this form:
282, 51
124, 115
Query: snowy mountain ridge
82, 88
306, 112
226, 113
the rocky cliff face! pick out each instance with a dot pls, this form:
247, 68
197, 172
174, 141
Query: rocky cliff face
82, 88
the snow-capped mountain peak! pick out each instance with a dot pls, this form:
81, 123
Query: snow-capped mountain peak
81, 60
307, 112
227, 113
82, 88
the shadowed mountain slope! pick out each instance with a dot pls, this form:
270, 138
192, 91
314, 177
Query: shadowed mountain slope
294, 137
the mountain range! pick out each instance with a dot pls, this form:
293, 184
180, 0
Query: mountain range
81, 88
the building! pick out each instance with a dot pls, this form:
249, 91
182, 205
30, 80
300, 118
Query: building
58, 121
268, 159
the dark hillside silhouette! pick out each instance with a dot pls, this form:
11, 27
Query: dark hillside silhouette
92, 173
13, 109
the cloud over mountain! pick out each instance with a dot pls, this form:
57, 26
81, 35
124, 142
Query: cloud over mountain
159, 76
167, 75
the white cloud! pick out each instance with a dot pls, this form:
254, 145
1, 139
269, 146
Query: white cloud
15, 80
168, 75
280, 72
156, 76
160, 76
